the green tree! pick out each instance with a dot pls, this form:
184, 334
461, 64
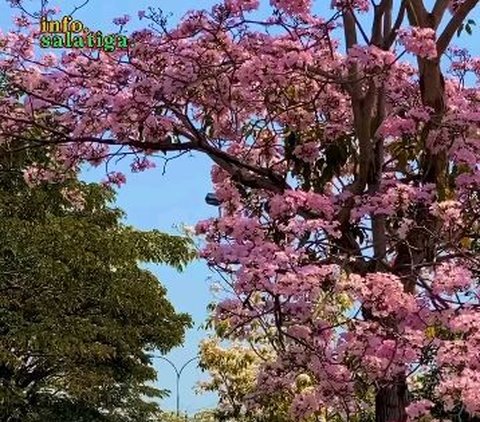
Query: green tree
233, 371
79, 315
201, 416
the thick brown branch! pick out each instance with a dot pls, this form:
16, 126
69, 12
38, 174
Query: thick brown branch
390, 39
380, 20
349, 29
387, 19
417, 14
438, 11
461, 13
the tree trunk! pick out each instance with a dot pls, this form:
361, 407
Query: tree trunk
391, 401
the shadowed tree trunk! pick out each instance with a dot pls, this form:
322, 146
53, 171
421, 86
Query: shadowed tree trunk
391, 401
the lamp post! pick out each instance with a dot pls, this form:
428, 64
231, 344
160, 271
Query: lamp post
178, 374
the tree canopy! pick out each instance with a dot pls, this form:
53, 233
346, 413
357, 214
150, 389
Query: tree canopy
345, 151
79, 315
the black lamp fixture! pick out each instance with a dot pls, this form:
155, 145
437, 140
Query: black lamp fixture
211, 199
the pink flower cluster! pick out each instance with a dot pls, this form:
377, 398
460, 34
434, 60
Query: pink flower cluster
449, 211
419, 41
361, 5
292, 7
418, 409
371, 58
122, 20
307, 152
238, 6
454, 4
115, 178
451, 277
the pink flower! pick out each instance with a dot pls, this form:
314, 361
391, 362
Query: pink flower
115, 178
122, 20
239, 6
449, 211
292, 7
142, 164
454, 4
22, 21
371, 58
418, 409
451, 277
420, 41
361, 5
307, 152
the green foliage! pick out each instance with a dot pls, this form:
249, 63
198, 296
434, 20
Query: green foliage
202, 416
467, 27
330, 163
78, 314
233, 372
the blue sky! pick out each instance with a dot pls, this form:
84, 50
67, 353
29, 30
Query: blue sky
153, 200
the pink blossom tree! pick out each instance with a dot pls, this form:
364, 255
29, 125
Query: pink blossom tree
346, 155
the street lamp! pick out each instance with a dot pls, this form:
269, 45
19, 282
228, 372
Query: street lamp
178, 373
212, 199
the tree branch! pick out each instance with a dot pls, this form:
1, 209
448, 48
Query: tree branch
416, 12
438, 11
349, 29
461, 13
379, 20
390, 39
